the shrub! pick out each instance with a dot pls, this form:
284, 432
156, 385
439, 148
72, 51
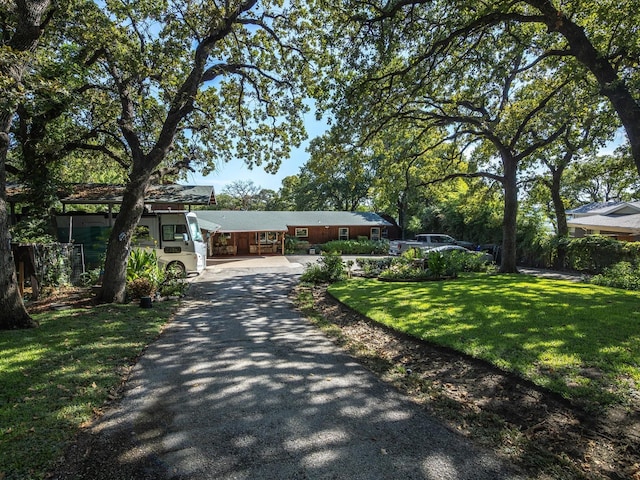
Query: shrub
291, 244
140, 287
357, 247
373, 267
621, 275
174, 284
329, 269
406, 271
414, 264
144, 275
438, 265
594, 253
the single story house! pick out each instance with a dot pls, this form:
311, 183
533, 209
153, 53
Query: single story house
620, 220
263, 232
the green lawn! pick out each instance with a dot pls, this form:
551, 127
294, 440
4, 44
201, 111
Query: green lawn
55, 377
580, 340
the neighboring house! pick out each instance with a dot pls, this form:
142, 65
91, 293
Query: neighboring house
620, 220
262, 232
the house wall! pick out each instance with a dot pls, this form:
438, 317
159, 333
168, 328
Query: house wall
319, 235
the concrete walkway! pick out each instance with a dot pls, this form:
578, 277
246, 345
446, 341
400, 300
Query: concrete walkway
241, 387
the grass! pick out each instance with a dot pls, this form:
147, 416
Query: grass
57, 377
579, 340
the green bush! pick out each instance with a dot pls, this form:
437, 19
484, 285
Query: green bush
144, 275
373, 267
414, 264
291, 244
357, 247
140, 287
593, 253
621, 275
403, 270
438, 265
329, 269
174, 283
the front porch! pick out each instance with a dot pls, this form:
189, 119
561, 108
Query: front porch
225, 244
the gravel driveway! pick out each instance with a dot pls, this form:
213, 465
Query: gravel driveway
241, 387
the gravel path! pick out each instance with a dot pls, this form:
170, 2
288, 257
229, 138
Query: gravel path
241, 387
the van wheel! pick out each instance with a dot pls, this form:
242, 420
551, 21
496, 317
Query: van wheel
176, 270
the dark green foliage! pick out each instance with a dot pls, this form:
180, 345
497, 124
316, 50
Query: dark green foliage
373, 267
290, 244
621, 275
32, 230
357, 247
174, 284
594, 253
329, 269
144, 275
416, 265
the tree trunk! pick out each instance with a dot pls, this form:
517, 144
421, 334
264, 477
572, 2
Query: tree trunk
561, 218
402, 214
611, 85
115, 272
509, 225
28, 29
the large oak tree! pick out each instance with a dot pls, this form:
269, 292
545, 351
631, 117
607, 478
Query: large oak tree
196, 83
23, 23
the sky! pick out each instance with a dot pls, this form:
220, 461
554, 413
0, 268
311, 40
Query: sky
236, 169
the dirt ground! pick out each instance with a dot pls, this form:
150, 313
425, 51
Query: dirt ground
540, 431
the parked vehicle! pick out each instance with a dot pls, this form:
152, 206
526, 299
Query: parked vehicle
174, 235
487, 257
397, 247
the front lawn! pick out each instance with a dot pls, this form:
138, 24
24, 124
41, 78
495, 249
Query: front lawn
580, 340
56, 377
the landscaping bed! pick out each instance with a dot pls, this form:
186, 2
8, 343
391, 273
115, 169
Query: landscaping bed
539, 430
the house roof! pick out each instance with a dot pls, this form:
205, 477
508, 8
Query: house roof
593, 208
615, 223
98, 194
605, 208
280, 221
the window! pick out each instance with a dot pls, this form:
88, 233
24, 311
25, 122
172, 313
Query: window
375, 233
343, 233
265, 238
302, 232
172, 233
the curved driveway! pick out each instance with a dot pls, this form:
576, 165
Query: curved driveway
240, 386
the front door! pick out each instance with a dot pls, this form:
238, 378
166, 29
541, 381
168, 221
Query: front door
243, 243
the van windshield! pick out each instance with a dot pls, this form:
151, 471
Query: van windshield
194, 229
